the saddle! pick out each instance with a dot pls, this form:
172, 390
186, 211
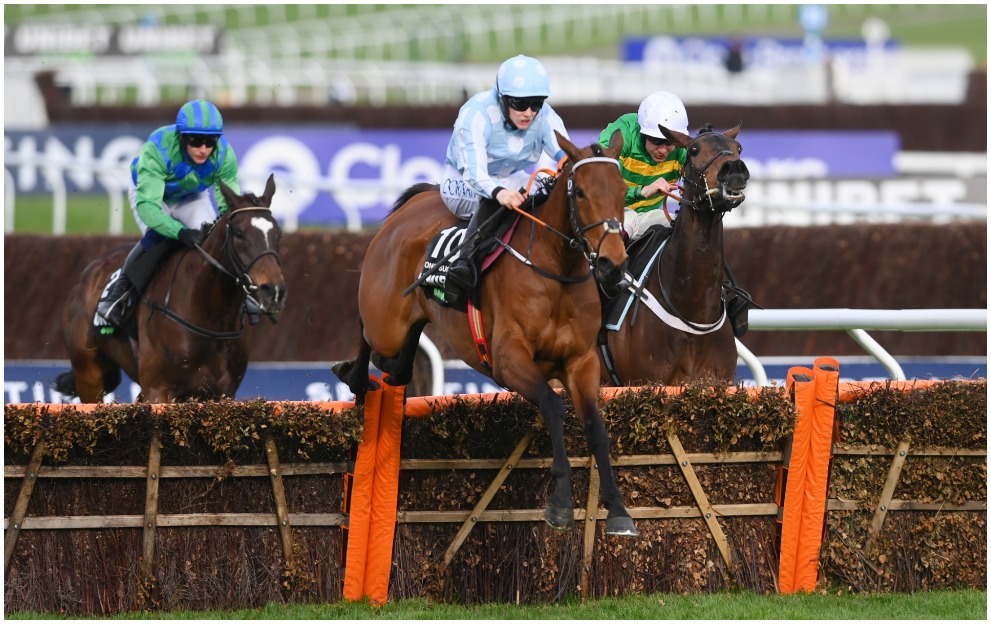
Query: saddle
449, 239
643, 254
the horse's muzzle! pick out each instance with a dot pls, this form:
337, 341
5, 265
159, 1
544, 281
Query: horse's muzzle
733, 176
608, 273
272, 297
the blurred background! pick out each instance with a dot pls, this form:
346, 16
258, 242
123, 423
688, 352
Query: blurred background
351, 103
852, 114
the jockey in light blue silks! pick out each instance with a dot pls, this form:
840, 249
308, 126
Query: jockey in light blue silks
497, 136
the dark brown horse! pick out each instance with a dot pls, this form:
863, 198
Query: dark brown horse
679, 331
540, 316
190, 323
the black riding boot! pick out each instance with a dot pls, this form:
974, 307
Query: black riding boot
115, 304
463, 272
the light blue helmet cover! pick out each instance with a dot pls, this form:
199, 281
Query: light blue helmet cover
523, 76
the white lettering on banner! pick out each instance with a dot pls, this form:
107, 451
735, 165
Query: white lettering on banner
13, 390
56, 38
787, 168
853, 192
116, 156
321, 391
393, 173
284, 153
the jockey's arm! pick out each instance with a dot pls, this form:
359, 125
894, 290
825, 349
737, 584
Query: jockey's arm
151, 192
228, 173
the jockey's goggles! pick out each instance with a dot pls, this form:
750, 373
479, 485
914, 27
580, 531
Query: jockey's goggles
522, 104
199, 140
657, 141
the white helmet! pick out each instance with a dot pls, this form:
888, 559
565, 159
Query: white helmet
664, 108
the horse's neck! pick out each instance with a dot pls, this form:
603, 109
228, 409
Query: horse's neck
692, 265
213, 296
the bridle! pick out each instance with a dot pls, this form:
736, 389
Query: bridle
696, 201
694, 178
239, 275
611, 226
578, 240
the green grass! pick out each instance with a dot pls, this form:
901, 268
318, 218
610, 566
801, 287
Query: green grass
941, 605
85, 214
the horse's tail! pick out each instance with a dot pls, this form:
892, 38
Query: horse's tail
416, 189
65, 384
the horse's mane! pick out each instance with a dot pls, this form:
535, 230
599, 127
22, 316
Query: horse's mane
416, 189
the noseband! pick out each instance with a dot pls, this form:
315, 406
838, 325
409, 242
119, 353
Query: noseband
702, 192
240, 274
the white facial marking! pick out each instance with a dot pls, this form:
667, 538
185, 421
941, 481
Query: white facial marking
265, 226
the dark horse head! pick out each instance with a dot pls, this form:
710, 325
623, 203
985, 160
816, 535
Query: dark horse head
191, 342
714, 175
249, 247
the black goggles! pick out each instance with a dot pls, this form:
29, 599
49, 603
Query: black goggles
522, 104
199, 140
656, 141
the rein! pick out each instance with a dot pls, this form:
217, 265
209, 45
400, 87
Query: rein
579, 242
243, 280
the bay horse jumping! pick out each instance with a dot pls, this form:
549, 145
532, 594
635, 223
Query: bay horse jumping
676, 329
540, 313
188, 337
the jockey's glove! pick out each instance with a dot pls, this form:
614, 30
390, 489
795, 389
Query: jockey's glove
190, 237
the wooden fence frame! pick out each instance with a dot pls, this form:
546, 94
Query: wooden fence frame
377, 567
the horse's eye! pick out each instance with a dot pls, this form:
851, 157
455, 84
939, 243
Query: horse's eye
739, 149
580, 194
237, 232
695, 151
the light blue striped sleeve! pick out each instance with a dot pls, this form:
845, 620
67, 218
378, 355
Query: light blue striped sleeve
554, 122
473, 139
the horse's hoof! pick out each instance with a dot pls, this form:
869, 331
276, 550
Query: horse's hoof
559, 519
342, 370
621, 525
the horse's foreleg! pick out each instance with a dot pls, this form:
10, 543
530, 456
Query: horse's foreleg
520, 374
354, 372
583, 387
400, 368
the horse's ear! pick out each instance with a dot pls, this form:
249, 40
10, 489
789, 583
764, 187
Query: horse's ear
228, 194
269, 190
615, 144
568, 147
732, 132
679, 139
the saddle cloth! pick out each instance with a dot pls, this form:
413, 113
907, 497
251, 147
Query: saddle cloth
643, 254
446, 241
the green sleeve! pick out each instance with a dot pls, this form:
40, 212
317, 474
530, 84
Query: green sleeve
632, 195
227, 173
151, 191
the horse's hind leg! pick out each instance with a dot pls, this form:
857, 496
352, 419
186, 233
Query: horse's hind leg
93, 378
